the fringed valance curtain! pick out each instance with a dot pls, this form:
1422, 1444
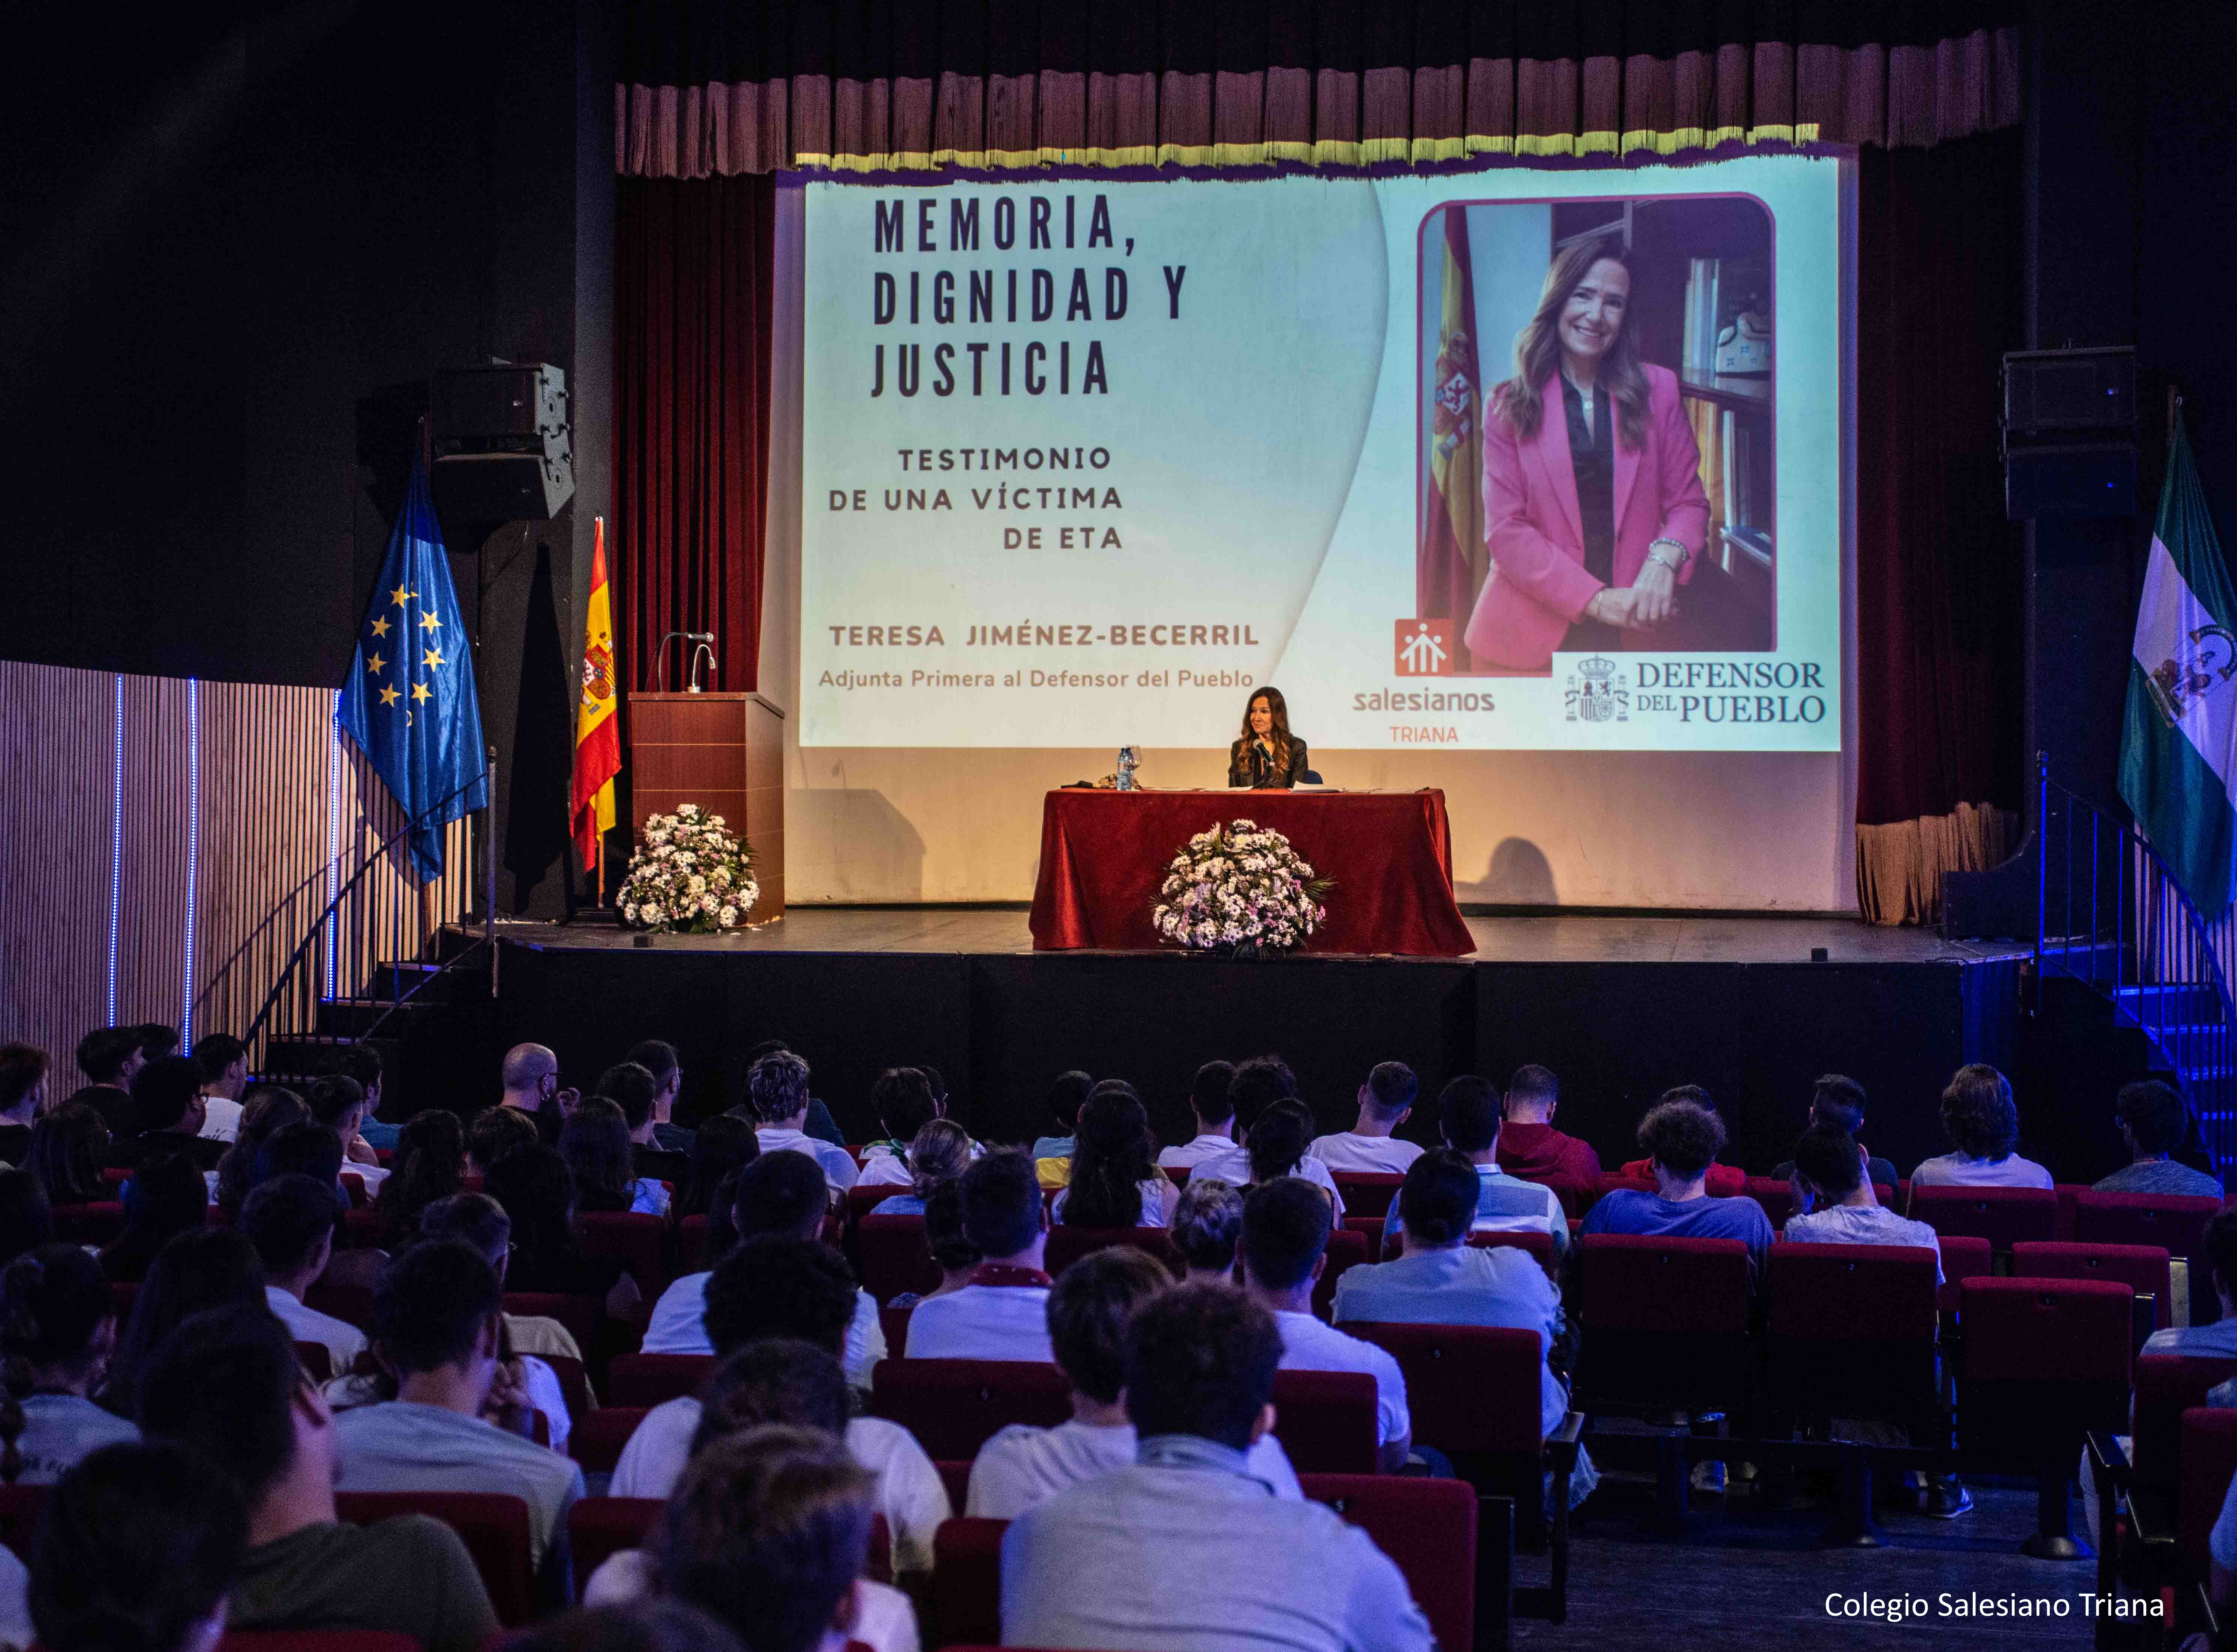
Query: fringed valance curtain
721, 87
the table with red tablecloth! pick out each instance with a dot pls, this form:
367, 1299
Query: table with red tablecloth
1104, 855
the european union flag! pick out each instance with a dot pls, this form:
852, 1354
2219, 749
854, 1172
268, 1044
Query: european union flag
409, 704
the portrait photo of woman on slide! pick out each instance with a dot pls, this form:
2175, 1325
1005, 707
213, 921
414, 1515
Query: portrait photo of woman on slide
1268, 754
1602, 527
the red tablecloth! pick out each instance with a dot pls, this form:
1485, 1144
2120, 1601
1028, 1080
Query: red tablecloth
1104, 855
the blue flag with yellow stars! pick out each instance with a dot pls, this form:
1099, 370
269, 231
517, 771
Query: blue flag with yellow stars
409, 704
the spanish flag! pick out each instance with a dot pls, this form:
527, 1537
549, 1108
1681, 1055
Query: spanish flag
598, 733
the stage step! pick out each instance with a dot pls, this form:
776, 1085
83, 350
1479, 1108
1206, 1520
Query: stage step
298, 1062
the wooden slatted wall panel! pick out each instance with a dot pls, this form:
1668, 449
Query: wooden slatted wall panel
282, 816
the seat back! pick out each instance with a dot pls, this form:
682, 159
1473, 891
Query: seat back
578, 1313
650, 1379
894, 1256
1852, 1329
2003, 1216
1665, 1323
2043, 1360
596, 1440
93, 1224
1964, 1257
1326, 1420
967, 1582
317, 1360
1067, 1245
599, 1528
20, 1508
1177, 1173
1576, 1196
1428, 1527
351, 1304
493, 1527
861, 1201
2143, 1268
2178, 1224
1367, 1193
1538, 1245
1370, 1229
691, 1244
574, 1385
953, 1407
1347, 1249
1473, 1390
1775, 1195
2168, 1385
2209, 1460
635, 1240
894, 1322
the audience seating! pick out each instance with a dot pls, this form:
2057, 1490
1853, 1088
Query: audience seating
20, 1508
650, 1380
1067, 1245
93, 1224
1346, 1250
1775, 1195
894, 1323
691, 1244
634, 1240
1370, 1229
1577, 1197
1538, 1245
574, 1385
2003, 1216
2045, 1361
598, 1528
493, 1527
1177, 1174
967, 1583
1964, 1257
861, 1200
892, 1255
1367, 1193
1428, 1527
596, 1441
955, 1406
2165, 1387
365, 1229
2209, 1460
1664, 1324
579, 1314
351, 1304
317, 1360
354, 1185
2176, 1222
2143, 1268
1325, 1420
2149, 1478
956, 1477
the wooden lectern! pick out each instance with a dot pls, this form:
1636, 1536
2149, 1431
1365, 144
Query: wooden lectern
724, 752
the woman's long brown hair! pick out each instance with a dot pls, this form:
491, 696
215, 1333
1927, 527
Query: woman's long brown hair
1538, 349
1278, 735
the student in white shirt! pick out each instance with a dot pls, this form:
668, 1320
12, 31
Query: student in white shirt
1087, 1313
1003, 1312
1114, 1182
57, 1329
778, 1195
903, 1099
1834, 1204
1385, 1101
1214, 1114
457, 1424
776, 1091
1982, 1124
1207, 1226
224, 1062
1275, 1147
785, 1294
1285, 1229
1468, 1118
291, 1222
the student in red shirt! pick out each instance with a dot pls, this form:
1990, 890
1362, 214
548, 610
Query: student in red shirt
1529, 1145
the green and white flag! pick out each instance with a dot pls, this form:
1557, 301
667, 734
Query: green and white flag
2179, 746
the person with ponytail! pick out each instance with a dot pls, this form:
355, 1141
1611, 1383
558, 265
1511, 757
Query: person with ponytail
57, 1330
1277, 1146
941, 1151
1115, 1179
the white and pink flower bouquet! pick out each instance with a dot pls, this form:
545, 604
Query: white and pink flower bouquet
690, 875
1240, 887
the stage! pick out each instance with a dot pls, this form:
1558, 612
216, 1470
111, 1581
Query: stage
1621, 1007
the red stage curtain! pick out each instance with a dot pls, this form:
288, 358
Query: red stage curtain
691, 375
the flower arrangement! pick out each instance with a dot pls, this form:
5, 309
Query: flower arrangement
690, 875
1241, 886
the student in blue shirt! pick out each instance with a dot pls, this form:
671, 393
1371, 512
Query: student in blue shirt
1682, 1140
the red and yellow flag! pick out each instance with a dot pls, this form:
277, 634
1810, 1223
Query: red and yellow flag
598, 730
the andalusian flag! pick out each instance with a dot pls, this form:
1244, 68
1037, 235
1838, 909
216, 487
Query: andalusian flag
2179, 749
598, 733
1450, 567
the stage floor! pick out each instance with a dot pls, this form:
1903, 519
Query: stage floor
1567, 939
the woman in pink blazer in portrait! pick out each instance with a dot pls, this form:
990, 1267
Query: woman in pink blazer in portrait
1592, 508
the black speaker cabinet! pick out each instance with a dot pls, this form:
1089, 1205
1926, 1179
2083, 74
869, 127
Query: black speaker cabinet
2084, 479
503, 448
2070, 390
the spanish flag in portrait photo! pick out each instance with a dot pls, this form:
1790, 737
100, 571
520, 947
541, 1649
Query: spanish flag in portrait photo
598, 733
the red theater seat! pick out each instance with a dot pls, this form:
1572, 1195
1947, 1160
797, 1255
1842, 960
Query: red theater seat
2143, 1268
2209, 1461
1775, 1195
955, 1406
1177, 1173
650, 1379
598, 1528
967, 1582
691, 1244
894, 1256
93, 1224
1538, 1245
353, 1304
596, 1441
1367, 1193
1067, 1245
1666, 1323
579, 1314
1964, 1257
1347, 1249
2144, 1218
894, 1323
861, 1201
1326, 1421
20, 1508
494, 1527
2003, 1216
635, 1241
1428, 1527
1852, 1330
2167, 1385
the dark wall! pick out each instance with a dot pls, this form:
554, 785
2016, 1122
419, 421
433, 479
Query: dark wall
240, 240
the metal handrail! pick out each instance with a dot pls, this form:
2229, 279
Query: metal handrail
328, 915
2111, 915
